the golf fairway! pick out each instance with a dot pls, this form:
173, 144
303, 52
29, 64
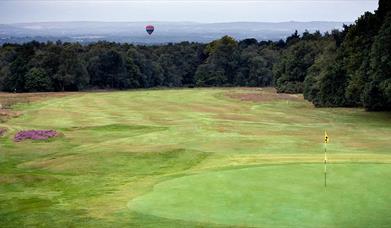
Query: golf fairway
194, 158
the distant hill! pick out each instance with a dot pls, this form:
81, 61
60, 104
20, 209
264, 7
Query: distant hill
134, 32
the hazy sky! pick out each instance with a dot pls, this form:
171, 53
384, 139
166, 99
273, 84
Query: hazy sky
12, 11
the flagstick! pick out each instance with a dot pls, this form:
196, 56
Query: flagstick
325, 165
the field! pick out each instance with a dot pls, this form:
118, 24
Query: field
193, 158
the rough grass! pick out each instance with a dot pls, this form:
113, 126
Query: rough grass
118, 147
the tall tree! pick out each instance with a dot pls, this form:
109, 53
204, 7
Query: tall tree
355, 49
291, 71
223, 55
37, 80
377, 94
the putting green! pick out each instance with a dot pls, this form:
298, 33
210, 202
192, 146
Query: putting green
276, 195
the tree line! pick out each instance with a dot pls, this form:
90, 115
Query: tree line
36, 66
350, 67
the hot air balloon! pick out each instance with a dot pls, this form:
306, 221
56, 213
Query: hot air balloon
149, 29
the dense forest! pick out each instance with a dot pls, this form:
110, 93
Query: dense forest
351, 67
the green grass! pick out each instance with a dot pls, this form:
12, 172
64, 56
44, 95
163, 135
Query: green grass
194, 158
277, 195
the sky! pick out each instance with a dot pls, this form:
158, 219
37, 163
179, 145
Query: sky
16, 11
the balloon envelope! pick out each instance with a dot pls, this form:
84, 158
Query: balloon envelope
149, 29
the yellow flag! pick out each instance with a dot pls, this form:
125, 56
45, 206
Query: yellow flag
326, 137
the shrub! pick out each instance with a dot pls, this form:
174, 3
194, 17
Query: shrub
35, 135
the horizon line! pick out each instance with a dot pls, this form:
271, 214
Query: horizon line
168, 21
